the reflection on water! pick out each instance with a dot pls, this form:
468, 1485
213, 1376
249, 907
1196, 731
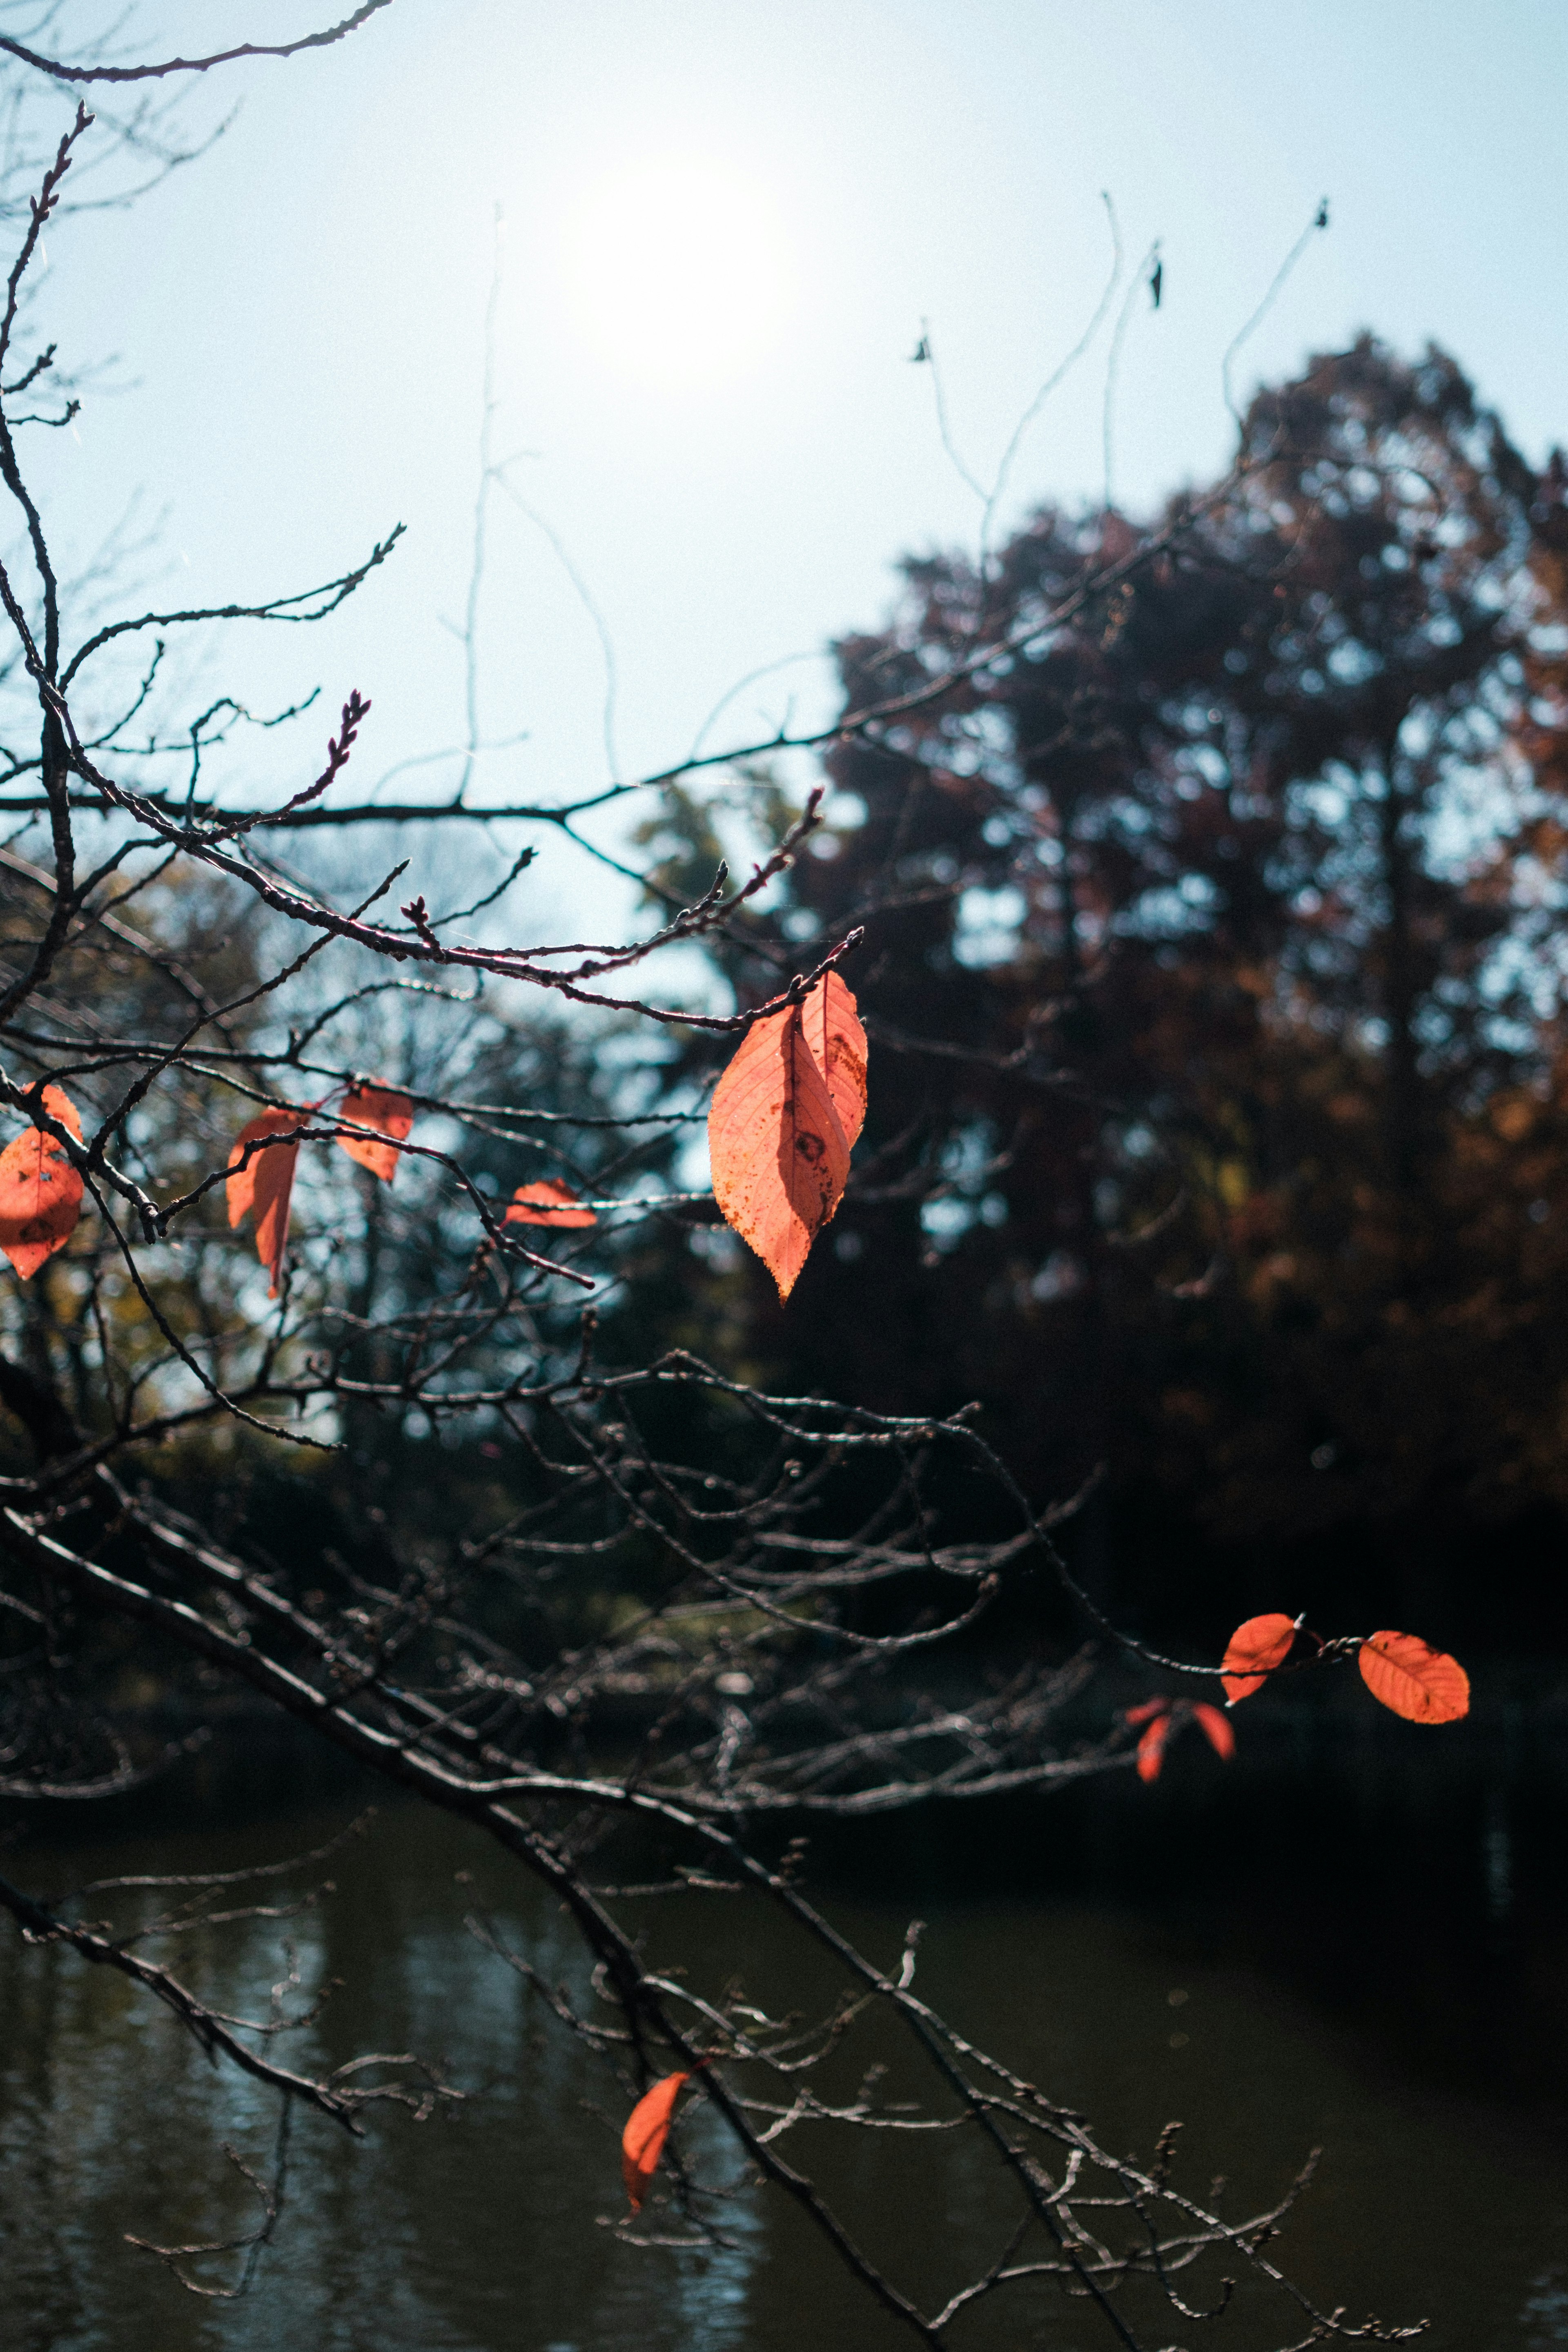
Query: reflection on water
1302, 2000
1546, 2310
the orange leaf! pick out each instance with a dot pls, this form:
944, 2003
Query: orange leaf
778, 1149
642, 2142
265, 1184
40, 1191
837, 1044
1152, 1748
1421, 1684
548, 1201
390, 1113
58, 1104
1217, 1729
1256, 1648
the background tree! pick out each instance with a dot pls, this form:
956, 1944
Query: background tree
1213, 976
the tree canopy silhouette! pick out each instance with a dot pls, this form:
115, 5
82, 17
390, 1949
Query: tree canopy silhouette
1213, 969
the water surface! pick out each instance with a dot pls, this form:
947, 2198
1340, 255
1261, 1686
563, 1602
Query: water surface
1382, 1979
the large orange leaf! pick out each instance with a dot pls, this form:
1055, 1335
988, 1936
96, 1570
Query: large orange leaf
390, 1113
547, 1202
265, 1183
1255, 1649
40, 1191
1421, 1684
838, 1043
777, 1145
642, 2142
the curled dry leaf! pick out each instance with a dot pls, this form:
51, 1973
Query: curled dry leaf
1254, 1651
1151, 1745
779, 1153
390, 1113
547, 1202
1215, 1727
642, 2142
1421, 1684
263, 1183
838, 1047
40, 1191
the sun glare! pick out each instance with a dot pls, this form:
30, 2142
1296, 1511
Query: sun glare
680, 270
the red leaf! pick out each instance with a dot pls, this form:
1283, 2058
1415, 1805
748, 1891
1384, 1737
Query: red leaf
1152, 1748
390, 1113
1217, 1729
58, 1104
265, 1183
40, 1191
778, 1149
1421, 1684
1262, 1644
838, 1047
548, 1201
1150, 1709
642, 2142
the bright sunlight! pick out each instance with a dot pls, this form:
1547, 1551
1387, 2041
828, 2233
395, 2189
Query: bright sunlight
682, 270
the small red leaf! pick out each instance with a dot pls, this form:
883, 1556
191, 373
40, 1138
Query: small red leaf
1217, 1729
390, 1113
40, 1191
1421, 1684
778, 1150
58, 1104
265, 1183
1256, 1648
642, 2142
547, 1202
1147, 1710
1152, 1748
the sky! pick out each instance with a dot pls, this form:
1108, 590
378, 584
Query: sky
724, 222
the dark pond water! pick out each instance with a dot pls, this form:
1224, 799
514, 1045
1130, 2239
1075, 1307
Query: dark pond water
1347, 1955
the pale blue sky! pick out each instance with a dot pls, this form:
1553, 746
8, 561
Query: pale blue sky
302, 312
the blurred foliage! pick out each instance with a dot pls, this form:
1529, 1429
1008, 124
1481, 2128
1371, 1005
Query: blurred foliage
1218, 1134
1213, 978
